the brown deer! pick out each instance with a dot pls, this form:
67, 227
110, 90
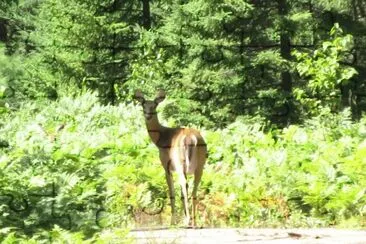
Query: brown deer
182, 150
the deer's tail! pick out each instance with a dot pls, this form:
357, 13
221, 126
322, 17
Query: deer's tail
190, 144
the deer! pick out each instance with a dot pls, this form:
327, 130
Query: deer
181, 150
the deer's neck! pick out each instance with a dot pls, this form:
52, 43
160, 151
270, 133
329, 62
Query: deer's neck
154, 128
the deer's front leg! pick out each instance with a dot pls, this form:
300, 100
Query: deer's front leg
166, 162
169, 181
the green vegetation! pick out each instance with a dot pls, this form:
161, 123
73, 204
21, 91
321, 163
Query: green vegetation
277, 89
87, 167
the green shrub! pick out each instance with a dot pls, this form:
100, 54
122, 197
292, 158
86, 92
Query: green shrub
55, 170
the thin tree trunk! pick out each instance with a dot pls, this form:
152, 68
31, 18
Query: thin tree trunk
286, 81
146, 18
3, 30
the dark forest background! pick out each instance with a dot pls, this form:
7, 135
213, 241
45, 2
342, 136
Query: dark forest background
217, 59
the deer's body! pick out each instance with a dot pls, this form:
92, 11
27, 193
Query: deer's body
182, 150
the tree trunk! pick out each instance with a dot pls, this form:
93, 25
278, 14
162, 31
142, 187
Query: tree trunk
3, 30
286, 81
146, 14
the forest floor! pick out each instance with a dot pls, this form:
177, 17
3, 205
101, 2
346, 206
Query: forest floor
229, 235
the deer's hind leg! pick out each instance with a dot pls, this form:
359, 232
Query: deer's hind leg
201, 159
184, 188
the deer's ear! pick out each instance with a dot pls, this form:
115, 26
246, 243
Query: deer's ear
160, 96
139, 96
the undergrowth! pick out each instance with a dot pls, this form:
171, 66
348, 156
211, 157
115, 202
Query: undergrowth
73, 170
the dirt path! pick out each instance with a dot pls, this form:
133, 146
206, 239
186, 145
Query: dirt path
250, 236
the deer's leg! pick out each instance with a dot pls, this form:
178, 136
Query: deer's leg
182, 197
196, 182
166, 161
183, 185
169, 181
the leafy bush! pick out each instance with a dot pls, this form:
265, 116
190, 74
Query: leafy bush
325, 73
303, 175
54, 170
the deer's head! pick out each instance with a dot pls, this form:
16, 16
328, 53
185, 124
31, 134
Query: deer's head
149, 106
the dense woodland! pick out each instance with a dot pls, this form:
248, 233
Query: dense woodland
277, 88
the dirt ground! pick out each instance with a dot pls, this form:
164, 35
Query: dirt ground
221, 235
